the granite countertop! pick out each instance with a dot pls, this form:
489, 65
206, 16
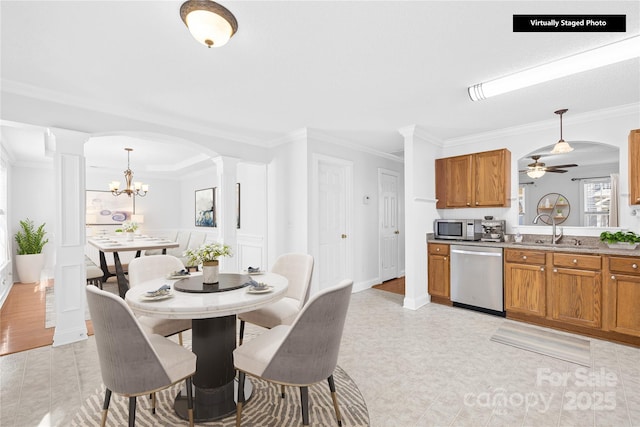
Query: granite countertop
574, 244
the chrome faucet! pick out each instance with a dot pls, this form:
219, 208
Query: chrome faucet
554, 239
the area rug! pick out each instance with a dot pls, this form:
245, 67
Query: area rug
549, 343
50, 309
265, 408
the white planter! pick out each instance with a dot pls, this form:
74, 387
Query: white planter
29, 267
210, 272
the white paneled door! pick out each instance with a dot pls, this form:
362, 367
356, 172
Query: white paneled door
333, 221
389, 227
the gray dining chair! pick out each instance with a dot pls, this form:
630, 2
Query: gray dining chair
152, 267
297, 268
133, 363
301, 354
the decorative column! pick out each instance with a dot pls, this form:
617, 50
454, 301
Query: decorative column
69, 275
226, 209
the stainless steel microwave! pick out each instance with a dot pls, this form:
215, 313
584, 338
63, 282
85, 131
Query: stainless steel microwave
457, 229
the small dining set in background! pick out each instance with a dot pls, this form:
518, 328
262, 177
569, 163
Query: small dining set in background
298, 346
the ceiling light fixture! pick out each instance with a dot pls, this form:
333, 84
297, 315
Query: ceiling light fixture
536, 172
209, 22
138, 188
584, 61
561, 146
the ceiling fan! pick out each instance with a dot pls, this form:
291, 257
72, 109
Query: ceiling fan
537, 169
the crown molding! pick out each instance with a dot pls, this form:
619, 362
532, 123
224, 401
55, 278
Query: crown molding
331, 139
587, 117
421, 133
30, 91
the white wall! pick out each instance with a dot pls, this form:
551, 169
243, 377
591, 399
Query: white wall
32, 196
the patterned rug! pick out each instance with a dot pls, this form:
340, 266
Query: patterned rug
265, 408
549, 343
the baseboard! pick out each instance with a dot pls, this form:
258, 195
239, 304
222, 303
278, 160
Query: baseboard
364, 285
415, 303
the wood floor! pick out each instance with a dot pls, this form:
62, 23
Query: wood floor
394, 285
22, 319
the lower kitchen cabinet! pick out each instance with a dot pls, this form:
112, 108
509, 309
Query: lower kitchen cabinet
623, 285
438, 281
576, 297
525, 292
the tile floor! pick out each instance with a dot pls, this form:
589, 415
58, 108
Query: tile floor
430, 367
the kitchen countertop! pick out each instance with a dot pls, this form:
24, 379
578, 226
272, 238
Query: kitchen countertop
589, 245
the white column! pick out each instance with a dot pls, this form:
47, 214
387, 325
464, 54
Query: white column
420, 152
70, 275
226, 209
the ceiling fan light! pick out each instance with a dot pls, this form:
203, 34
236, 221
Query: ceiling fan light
561, 147
209, 23
536, 172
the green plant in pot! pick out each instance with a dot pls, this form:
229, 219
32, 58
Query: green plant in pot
207, 255
620, 238
29, 258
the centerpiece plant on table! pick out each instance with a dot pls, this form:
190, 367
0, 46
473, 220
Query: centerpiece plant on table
207, 255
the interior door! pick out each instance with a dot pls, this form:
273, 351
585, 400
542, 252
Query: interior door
389, 227
333, 234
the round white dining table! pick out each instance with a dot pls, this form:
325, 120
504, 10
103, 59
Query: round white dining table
213, 320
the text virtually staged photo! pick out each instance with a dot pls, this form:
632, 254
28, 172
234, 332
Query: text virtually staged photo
372, 213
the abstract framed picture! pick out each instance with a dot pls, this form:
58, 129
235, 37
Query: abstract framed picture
205, 212
103, 208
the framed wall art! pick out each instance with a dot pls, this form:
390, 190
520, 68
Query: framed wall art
238, 205
205, 212
103, 208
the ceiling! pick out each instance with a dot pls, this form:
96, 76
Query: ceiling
355, 71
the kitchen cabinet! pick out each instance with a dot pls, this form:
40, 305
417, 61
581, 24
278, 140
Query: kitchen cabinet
623, 285
525, 282
438, 279
634, 167
474, 180
576, 289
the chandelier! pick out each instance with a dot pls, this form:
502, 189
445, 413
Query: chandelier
561, 146
138, 188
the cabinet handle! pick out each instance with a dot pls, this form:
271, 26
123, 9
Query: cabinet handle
477, 203
575, 261
634, 266
468, 204
541, 268
524, 257
445, 258
555, 270
613, 277
437, 249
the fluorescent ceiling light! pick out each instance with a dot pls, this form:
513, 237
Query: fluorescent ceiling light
594, 58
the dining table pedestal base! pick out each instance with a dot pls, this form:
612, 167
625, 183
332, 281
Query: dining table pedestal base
213, 342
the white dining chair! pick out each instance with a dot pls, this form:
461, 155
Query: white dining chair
152, 267
301, 354
133, 363
297, 268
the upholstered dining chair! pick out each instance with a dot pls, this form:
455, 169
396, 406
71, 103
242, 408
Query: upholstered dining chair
297, 268
133, 363
152, 267
300, 354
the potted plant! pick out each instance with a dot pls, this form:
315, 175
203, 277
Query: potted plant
208, 255
129, 227
620, 239
29, 257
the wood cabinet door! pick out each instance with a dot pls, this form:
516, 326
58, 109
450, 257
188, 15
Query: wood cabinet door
634, 167
625, 303
491, 178
576, 297
458, 183
438, 277
524, 289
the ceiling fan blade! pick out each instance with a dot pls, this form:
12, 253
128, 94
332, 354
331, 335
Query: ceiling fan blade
556, 170
573, 165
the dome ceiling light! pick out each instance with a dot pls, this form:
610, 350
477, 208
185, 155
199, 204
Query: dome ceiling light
561, 146
209, 22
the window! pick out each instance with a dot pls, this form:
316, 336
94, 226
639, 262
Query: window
4, 238
597, 201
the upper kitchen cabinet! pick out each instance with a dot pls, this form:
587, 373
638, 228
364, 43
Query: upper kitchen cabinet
634, 167
474, 180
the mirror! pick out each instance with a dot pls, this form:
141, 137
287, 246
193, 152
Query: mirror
585, 186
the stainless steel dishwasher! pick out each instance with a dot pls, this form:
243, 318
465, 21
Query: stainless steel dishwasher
476, 278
